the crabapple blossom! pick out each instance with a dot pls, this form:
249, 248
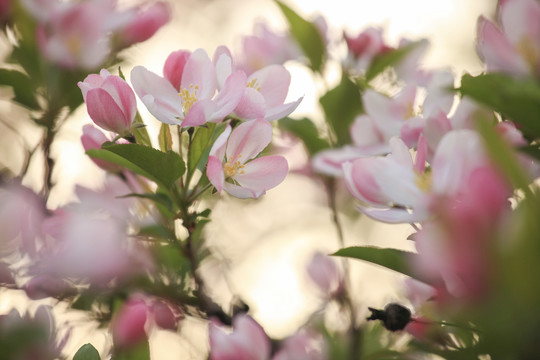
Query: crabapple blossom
364, 47
513, 47
453, 249
248, 341
265, 92
93, 138
110, 101
396, 189
173, 68
266, 47
233, 166
196, 102
304, 345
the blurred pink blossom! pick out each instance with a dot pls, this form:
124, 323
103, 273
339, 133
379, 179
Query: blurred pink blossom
248, 341
146, 21
324, 272
364, 47
93, 138
513, 47
233, 166
304, 345
110, 101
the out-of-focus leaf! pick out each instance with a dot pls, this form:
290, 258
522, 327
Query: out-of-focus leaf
159, 198
341, 105
23, 87
517, 99
87, 352
307, 36
165, 138
388, 59
140, 351
163, 168
306, 131
393, 259
504, 156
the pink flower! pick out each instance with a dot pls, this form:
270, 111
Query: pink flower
324, 272
266, 47
75, 35
265, 93
514, 47
248, 341
145, 23
196, 102
110, 101
173, 69
455, 248
365, 47
304, 345
233, 166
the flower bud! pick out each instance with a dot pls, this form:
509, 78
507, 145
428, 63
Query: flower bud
110, 101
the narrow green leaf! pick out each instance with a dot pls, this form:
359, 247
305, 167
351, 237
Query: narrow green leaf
158, 198
341, 105
140, 132
307, 36
139, 352
165, 138
517, 99
23, 87
393, 259
201, 143
390, 58
306, 131
87, 352
162, 168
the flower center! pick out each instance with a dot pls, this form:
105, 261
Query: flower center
528, 51
189, 96
254, 84
423, 181
232, 168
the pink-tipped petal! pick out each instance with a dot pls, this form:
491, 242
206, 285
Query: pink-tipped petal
105, 112
214, 172
199, 72
158, 95
251, 106
174, 67
249, 139
263, 173
280, 111
273, 82
229, 96
199, 113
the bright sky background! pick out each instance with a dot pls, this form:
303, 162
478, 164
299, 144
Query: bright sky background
269, 242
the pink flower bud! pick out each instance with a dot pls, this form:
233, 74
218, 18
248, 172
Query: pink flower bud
43, 286
128, 327
325, 274
145, 24
93, 138
110, 101
174, 67
164, 316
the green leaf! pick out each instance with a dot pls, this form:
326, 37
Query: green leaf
158, 198
23, 87
165, 138
306, 131
139, 352
390, 58
341, 105
393, 259
201, 143
162, 168
87, 352
517, 99
307, 36
140, 132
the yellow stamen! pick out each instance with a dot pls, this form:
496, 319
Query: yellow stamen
189, 96
423, 181
528, 51
254, 84
232, 168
